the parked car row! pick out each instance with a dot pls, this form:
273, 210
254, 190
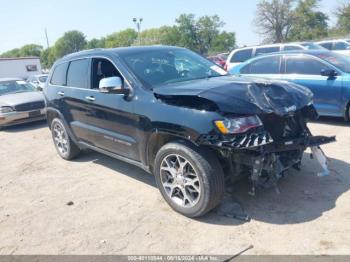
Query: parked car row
20, 102
325, 73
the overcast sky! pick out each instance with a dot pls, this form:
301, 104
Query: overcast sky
23, 22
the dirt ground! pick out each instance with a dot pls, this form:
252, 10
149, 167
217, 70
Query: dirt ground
117, 209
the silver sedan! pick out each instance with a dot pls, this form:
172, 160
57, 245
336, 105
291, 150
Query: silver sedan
20, 102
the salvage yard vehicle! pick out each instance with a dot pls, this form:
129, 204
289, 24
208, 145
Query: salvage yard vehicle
341, 46
38, 81
192, 129
325, 73
20, 102
241, 55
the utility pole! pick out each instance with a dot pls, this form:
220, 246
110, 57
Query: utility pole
47, 39
138, 22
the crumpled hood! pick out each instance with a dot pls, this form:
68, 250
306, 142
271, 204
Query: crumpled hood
243, 95
20, 98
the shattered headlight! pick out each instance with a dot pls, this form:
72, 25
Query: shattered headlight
237, 125
6, 109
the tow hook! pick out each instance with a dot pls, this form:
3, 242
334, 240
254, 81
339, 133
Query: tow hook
322, 160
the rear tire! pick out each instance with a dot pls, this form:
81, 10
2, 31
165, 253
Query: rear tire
65, 146
189, 178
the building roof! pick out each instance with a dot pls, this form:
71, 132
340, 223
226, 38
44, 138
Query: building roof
19, 58
9, 79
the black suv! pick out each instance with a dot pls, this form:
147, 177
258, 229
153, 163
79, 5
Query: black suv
182, 118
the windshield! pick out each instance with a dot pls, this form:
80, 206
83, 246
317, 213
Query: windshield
160, 67
42, 79
312, 46
340, 61
11, 87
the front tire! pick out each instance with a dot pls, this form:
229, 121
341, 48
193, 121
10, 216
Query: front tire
189, 178
65, 146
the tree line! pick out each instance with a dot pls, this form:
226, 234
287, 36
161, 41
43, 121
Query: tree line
204, 35
275, 20
299, 20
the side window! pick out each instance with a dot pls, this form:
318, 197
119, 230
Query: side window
267, 65
340, 46
59, 75
292, 47
266, 50
77, 75
102, 68
304, 66
327, 45
242, 55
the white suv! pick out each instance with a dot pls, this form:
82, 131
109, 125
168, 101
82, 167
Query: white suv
240, 55
341, 46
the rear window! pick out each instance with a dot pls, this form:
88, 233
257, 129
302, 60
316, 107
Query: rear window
266, 50
77, 75
341, 46
59, 75
292, 47
242, 55
327, 45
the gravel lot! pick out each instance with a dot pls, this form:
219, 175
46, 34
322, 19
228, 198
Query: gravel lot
116, 208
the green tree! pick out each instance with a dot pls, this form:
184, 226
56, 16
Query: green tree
274, 19
208, 29
309, 23
224, 42
31, 50
342, 13
11, 53
165, 35
70, 42
188, 36
47, 57
125, 37
96, 43
203, 35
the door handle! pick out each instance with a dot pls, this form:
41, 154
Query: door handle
90, 98
60, 93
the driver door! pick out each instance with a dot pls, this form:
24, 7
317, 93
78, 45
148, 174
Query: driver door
110, 119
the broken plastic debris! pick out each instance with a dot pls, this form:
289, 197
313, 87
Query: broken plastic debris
322, 159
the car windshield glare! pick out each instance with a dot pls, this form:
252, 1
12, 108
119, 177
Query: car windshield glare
340, 61
10, 87
161, 67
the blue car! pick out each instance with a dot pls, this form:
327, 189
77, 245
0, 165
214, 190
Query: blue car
325, 73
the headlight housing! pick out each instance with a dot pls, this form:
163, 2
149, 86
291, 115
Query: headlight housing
237, 125
6, 109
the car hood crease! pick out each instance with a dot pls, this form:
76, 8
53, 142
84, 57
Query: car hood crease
241, 95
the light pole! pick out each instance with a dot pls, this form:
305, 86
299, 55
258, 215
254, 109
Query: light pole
138, 22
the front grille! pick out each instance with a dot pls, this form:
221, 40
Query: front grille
30, 106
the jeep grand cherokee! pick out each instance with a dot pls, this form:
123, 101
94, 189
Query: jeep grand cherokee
182, 118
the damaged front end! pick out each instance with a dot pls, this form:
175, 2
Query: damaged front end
266, 151
263, 130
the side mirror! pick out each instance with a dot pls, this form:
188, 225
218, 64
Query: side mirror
329, 72
113, 85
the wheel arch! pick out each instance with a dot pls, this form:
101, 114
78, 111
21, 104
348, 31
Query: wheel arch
51, 114
157, 139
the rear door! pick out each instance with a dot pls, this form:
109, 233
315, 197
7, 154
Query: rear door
239, 56
74, 104
265, 67
111, 123
306, 71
